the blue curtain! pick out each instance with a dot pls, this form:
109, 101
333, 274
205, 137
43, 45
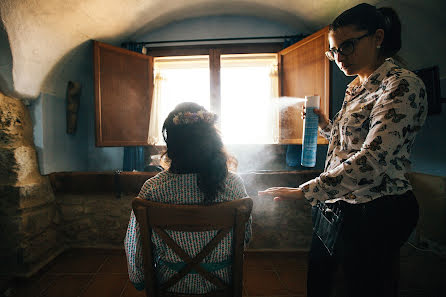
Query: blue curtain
293, 154
133, 155
290, 41
132, 46
133, 158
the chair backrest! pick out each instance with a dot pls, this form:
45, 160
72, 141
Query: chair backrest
224, 217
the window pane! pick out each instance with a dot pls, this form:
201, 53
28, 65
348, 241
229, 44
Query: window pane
181, 85
179, 79
248, 86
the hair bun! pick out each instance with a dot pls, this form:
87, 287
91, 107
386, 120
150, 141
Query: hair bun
392, 31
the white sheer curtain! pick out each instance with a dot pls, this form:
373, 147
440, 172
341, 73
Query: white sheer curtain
155, 136
275, 110
177, 79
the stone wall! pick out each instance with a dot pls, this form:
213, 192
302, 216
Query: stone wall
28, 214
98, 221
95, 209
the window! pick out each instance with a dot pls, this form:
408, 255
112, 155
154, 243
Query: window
248, 85
125, 93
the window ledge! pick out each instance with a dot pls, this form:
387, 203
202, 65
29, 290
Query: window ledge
99, 182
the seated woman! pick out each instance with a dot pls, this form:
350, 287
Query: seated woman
197, 174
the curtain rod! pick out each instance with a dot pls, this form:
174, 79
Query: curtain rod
221, 39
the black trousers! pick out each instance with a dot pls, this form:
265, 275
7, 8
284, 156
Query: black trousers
366, 258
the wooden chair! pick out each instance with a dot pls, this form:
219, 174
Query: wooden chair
224, 217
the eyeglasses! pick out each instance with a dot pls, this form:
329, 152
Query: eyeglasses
345, 49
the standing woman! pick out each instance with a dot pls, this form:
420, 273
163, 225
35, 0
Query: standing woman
365, 178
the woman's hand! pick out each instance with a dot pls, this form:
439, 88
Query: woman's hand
323, 119
283, 193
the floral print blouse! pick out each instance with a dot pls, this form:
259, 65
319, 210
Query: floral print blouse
371, 137
174, 188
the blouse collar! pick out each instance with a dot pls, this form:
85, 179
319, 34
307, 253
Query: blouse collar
373, 82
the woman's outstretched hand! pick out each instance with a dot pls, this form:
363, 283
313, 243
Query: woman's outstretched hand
283, 193
323, 119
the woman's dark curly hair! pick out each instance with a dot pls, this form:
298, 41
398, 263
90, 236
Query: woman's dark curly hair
196, 147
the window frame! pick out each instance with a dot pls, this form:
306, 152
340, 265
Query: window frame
214, 51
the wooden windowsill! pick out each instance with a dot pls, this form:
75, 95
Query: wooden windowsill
124, 182
130, 183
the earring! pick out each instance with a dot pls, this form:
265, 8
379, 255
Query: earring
378, 46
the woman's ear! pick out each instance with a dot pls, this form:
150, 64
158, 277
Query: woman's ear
379, 38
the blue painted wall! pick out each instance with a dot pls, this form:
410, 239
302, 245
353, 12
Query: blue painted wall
56, 150
429, 151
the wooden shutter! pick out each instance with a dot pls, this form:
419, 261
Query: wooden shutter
123, 95
304, 71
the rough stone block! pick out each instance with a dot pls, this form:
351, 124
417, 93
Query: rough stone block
19, 165
70, 199
71, 212
15, 123
15, 229
72, 228
8, 167
26, 159
104, 222
82, 232
35, 247
15, 198
37, 221
105, 204
115, 237
9, 227
113, 209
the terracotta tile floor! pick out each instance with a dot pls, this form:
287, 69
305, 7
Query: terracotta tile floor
103, 273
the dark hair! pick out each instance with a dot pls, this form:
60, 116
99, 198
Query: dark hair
196, 147
367, 17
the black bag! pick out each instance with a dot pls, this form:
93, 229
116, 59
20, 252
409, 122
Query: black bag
327, 223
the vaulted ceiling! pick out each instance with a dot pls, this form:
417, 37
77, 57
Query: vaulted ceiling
37, 34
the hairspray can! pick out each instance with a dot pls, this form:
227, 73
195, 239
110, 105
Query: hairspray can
310, 126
